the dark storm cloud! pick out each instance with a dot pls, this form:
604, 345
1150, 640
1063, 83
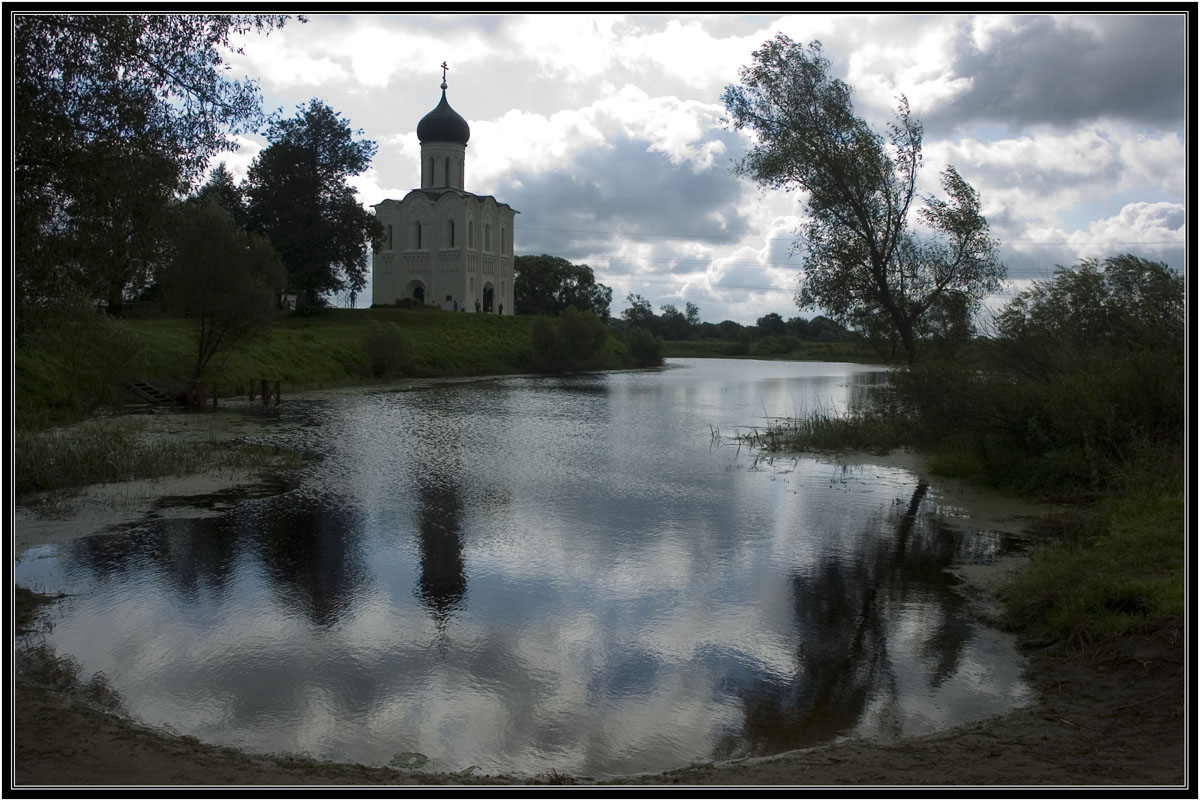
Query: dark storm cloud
626, 191
1042, 180
1055, 72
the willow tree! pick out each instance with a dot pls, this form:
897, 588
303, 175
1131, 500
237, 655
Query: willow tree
220, 276
863, 261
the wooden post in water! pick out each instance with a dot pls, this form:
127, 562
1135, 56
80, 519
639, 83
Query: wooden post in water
268, 388
198, 391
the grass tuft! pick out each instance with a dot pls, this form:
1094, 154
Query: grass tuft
1116, 568
825, 431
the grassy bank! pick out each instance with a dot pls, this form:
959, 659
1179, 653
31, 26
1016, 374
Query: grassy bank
327, 350
778, 348
1112, 567
64, 374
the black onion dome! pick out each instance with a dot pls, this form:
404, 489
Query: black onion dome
443, 124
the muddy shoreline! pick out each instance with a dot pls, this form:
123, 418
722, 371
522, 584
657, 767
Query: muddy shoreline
1103, 718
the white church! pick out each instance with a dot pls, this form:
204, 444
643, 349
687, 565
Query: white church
443, 245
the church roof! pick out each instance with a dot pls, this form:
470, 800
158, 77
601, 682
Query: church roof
443, 124
435, 194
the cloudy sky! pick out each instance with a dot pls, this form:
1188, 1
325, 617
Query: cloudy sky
605, 131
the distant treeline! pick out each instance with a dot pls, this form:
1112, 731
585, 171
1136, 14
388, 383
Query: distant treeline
675, 326
547, 286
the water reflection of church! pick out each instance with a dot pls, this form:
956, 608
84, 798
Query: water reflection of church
443, 245
442, 587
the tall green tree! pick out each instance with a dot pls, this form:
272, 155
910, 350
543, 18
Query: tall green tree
640, 313
548, 285
862, 258
770, 325
221, 187
112, 113
220, 276
299, 197
673, 324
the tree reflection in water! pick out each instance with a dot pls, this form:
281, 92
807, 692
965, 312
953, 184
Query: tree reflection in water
312, 555
846, 613
195, 556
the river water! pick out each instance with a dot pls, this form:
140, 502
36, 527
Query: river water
531, 574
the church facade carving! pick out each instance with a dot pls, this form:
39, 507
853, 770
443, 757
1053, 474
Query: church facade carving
443, 245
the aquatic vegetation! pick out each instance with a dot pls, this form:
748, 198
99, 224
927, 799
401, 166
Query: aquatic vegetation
830, 431
121, 449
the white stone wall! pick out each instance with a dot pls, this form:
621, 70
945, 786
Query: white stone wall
452, 273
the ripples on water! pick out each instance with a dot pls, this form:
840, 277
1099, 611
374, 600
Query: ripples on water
547, 573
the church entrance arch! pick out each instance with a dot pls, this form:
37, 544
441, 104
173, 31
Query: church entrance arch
489, 293
415, 290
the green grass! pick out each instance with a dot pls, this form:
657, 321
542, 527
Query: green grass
327, 350
1116, 567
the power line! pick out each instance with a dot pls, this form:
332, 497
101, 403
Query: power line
627, 233
752, 287
735, 198
635, 259
792, 239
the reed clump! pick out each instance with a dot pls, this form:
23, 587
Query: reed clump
822, 430
106, 450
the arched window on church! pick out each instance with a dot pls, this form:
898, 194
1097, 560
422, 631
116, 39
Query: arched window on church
388, 241
447, 171
487, 239
417, 235
450, 233
502, 241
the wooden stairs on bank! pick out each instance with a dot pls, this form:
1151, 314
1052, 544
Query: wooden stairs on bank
149, 393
